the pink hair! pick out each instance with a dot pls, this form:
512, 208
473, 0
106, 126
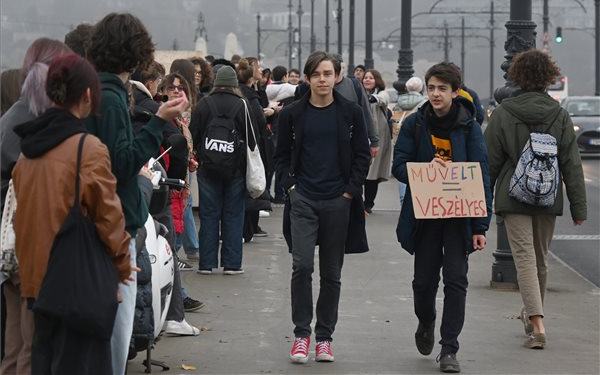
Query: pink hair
35, 68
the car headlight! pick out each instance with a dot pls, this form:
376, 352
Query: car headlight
576, 128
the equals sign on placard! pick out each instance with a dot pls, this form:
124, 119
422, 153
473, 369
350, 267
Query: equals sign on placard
450, 188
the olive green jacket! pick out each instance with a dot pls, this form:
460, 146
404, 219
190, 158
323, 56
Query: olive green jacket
505, 137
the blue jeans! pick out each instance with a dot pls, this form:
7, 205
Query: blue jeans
123, 327
189, 238
222, 208
402, 190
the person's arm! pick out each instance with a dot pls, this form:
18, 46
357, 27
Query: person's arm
493, 141
283, 151
103, 205
361, 155
572, 171
477, 152
128, 154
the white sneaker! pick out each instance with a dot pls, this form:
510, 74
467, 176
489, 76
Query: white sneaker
263, 213
233, 271
182, 328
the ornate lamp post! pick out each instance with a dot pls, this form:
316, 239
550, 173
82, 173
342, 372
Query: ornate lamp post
300, 12
405, 54
369, 63
520, 30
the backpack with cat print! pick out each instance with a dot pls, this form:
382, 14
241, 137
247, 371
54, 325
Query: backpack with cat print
536, 178
221, 146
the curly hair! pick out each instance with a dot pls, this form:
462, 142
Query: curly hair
120, 43
79, 39
185, 68
533, 70
207, 73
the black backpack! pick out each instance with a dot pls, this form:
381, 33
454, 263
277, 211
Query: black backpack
221, 145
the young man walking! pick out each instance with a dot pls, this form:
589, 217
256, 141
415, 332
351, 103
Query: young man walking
322, 141
443, 130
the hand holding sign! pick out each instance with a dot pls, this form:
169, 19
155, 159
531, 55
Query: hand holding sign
445, 190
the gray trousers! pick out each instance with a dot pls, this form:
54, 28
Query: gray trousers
325, 221
529, 238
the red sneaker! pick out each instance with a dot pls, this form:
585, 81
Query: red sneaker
299, 352
323, 352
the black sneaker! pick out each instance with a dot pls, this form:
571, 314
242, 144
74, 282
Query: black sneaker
424, 338
259, 232
190, 304
448, 363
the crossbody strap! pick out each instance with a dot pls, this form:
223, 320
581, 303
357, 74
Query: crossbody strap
79, 152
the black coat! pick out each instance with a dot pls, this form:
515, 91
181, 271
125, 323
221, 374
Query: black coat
354, 157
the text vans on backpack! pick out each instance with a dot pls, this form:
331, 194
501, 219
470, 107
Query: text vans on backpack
536, 178
221, 146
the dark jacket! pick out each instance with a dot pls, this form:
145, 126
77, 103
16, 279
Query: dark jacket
10, 142
505, 138
354, 158
224, 101
467, 146
128, 153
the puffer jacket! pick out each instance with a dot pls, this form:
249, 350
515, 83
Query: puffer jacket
410, 100
505, 137
467, 146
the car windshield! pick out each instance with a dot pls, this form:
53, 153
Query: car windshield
583, 107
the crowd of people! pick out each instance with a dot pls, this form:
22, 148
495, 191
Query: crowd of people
81, 120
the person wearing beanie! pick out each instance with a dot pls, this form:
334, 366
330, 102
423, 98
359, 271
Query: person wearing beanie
222, 188
226, 77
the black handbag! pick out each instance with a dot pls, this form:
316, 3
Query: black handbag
80, 286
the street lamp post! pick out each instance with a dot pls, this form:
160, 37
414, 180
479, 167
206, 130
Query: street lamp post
300, 12
290, 34
492, 45
405, 54
340, 30
313, 40
258, 35
327, 25
597, 11
520, 36
369, 64
351, 40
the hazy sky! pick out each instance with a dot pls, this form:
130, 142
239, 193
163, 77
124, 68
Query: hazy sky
175, 21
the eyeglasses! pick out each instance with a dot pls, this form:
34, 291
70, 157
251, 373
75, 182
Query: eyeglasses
172, 87
198, 74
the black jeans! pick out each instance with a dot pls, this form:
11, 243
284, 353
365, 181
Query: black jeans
325, 221
441, 245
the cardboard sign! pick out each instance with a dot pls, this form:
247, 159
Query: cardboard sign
444, 192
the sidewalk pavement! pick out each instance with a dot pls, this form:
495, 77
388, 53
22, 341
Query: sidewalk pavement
247, 326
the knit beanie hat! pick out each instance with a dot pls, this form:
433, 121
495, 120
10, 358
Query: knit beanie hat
226, 77
414, 84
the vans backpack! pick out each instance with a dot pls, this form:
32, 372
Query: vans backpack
221, 146
536, 178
